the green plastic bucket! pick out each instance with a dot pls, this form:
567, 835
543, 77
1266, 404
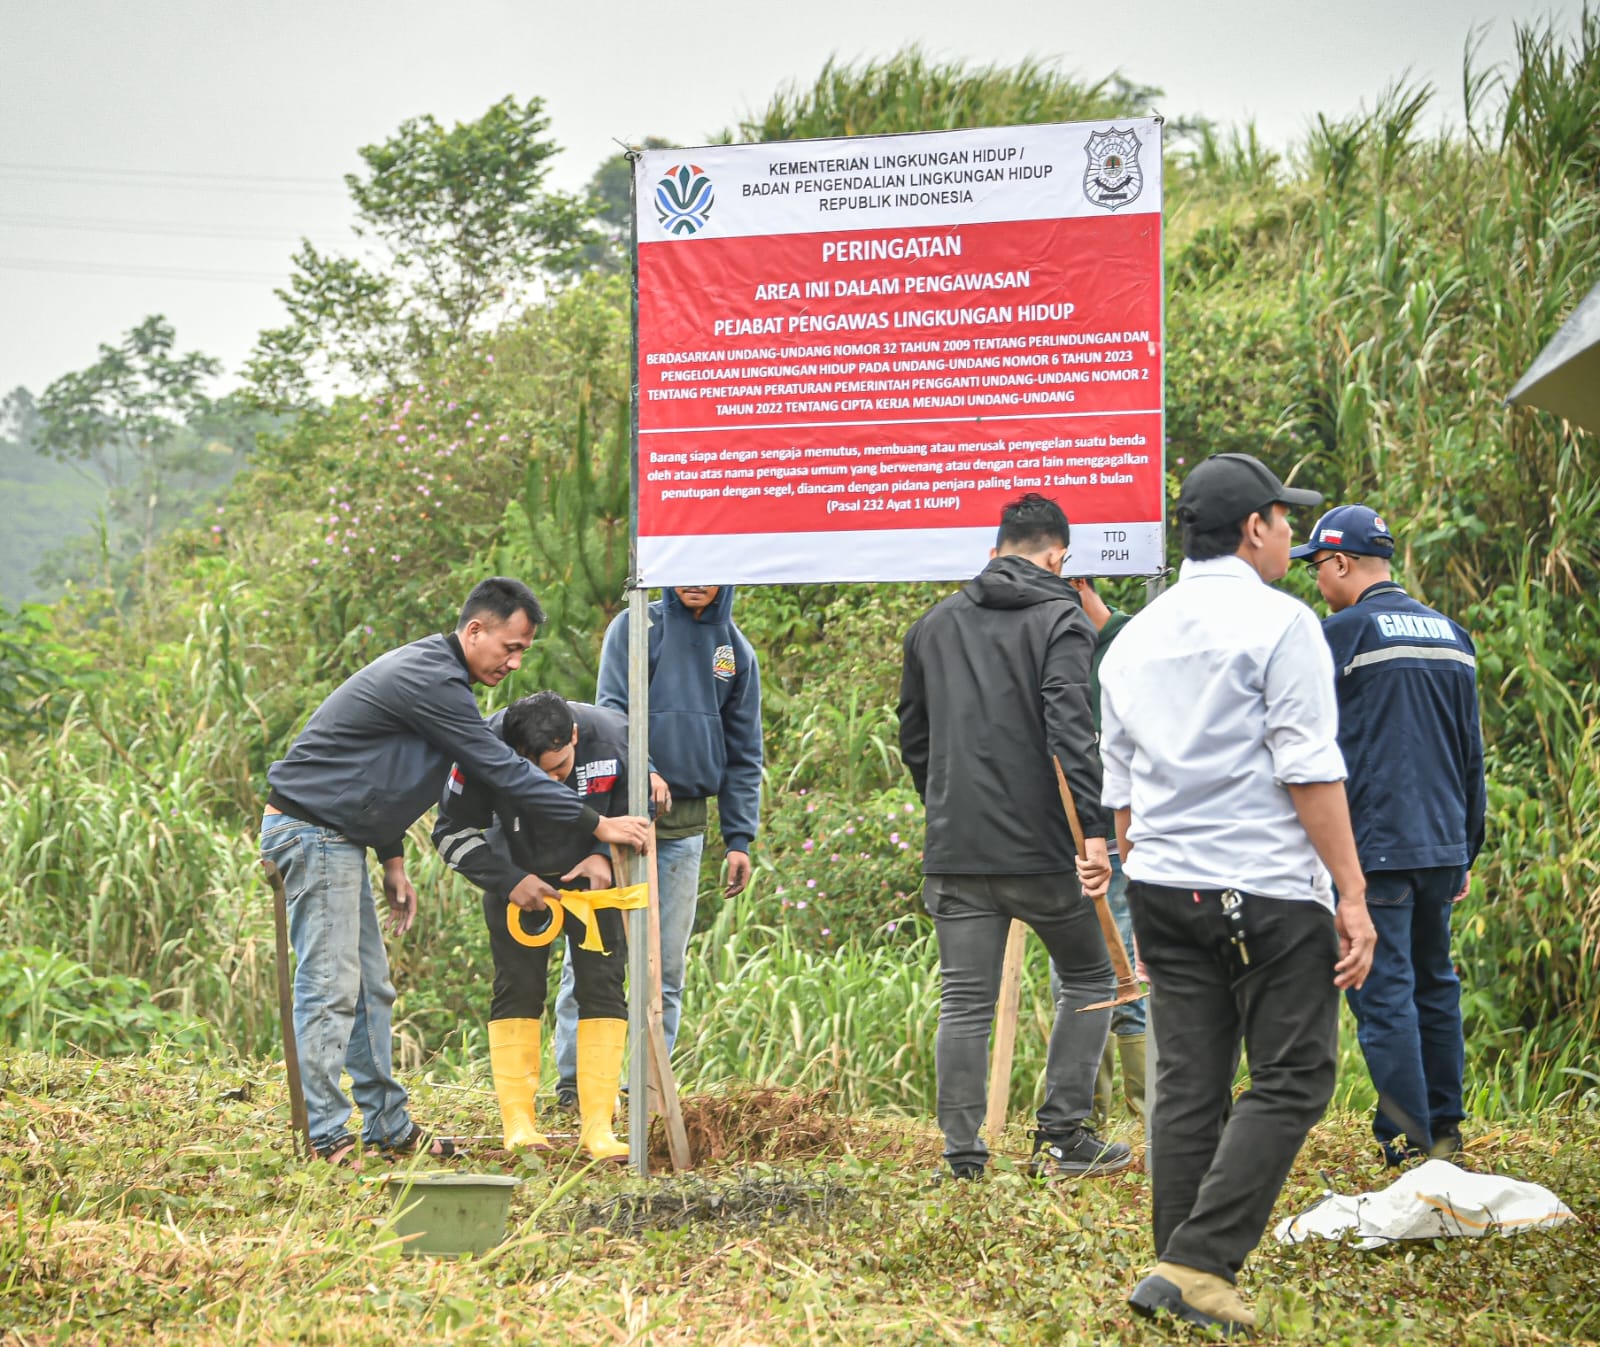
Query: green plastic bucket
447, 1215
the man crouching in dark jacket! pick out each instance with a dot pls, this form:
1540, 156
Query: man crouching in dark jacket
995, 682
520, 861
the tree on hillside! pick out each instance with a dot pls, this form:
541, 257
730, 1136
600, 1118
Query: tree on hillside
46, 501
141, 421
910, 92
457, 222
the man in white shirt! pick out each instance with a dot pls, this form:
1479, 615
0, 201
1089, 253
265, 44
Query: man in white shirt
1222, 765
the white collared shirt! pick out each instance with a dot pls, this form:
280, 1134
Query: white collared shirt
1215, 698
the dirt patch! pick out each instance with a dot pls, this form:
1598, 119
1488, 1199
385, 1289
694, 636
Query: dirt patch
758, 1123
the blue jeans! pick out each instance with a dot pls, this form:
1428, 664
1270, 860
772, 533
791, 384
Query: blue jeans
678, 883
1408, 1013
343, 999
1128, 1019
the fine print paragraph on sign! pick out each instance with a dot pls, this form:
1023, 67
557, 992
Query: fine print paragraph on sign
853, 353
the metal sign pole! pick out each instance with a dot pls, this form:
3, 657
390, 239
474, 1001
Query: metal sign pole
638, 753
638, 921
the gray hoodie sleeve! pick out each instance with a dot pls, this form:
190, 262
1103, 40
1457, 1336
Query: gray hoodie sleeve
739, 798
612, 691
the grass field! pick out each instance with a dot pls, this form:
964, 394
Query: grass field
157, 1199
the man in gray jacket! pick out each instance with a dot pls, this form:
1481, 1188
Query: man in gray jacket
370, 761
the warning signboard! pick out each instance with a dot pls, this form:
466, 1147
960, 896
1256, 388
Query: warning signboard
852, 353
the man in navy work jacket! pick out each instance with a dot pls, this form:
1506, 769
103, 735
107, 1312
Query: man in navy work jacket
372, 758
705, 741
520, 862
1408, 728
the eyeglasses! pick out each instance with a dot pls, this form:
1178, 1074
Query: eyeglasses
1312, 565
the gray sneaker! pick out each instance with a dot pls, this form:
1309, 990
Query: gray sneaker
566, 1098
1077, 1154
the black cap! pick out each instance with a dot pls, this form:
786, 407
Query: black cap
1229, 487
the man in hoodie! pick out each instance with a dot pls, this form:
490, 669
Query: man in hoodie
519, 863
705, 742
995, 684
372, 758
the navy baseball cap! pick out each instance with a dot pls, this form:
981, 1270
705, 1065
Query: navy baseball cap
1348, 528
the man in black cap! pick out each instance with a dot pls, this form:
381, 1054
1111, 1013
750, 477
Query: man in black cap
1221, 762
1408, 728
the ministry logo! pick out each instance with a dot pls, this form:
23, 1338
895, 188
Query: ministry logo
1113, 178
684, 199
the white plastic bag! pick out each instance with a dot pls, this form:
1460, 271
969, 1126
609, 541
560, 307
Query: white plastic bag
1434, 1200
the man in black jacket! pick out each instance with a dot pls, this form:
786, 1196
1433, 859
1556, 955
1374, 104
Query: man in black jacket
521, 861
372, 758
995, 684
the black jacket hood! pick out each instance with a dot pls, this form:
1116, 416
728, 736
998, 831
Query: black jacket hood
1016, 582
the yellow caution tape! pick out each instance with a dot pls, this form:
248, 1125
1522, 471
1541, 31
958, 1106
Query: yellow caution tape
583, 904
550, 932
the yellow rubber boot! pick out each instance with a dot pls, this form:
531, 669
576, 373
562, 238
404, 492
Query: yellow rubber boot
514, 1060
600, 1045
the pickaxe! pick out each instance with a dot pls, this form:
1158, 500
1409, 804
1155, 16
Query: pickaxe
1127, 984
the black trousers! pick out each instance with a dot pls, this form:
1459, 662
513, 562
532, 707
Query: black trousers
1263, 978
521, 973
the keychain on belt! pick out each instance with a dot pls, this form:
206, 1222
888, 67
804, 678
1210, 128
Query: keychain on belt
1233, 909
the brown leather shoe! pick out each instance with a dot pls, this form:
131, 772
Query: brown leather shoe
1197, 1297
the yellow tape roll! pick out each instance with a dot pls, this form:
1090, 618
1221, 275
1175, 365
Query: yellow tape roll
514, 924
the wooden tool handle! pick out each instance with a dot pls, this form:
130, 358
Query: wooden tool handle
1007, 1005
1072, 809
1108, 925
291, 1049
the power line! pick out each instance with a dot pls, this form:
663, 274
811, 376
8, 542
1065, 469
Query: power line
164, 228
132, 271
182, 180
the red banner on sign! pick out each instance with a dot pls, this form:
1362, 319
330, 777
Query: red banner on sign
851, 381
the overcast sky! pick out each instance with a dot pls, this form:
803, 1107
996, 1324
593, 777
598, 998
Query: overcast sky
164, 156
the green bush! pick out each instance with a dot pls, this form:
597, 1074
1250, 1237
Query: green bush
838, 867
50, 1003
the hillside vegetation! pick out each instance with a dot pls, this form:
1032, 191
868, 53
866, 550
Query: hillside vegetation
1354, 313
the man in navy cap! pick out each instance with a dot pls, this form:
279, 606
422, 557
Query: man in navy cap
1408, 728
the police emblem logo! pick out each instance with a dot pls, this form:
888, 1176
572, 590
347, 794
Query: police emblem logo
722, 663
1113, 178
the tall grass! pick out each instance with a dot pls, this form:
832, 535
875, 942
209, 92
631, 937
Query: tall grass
909, 91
